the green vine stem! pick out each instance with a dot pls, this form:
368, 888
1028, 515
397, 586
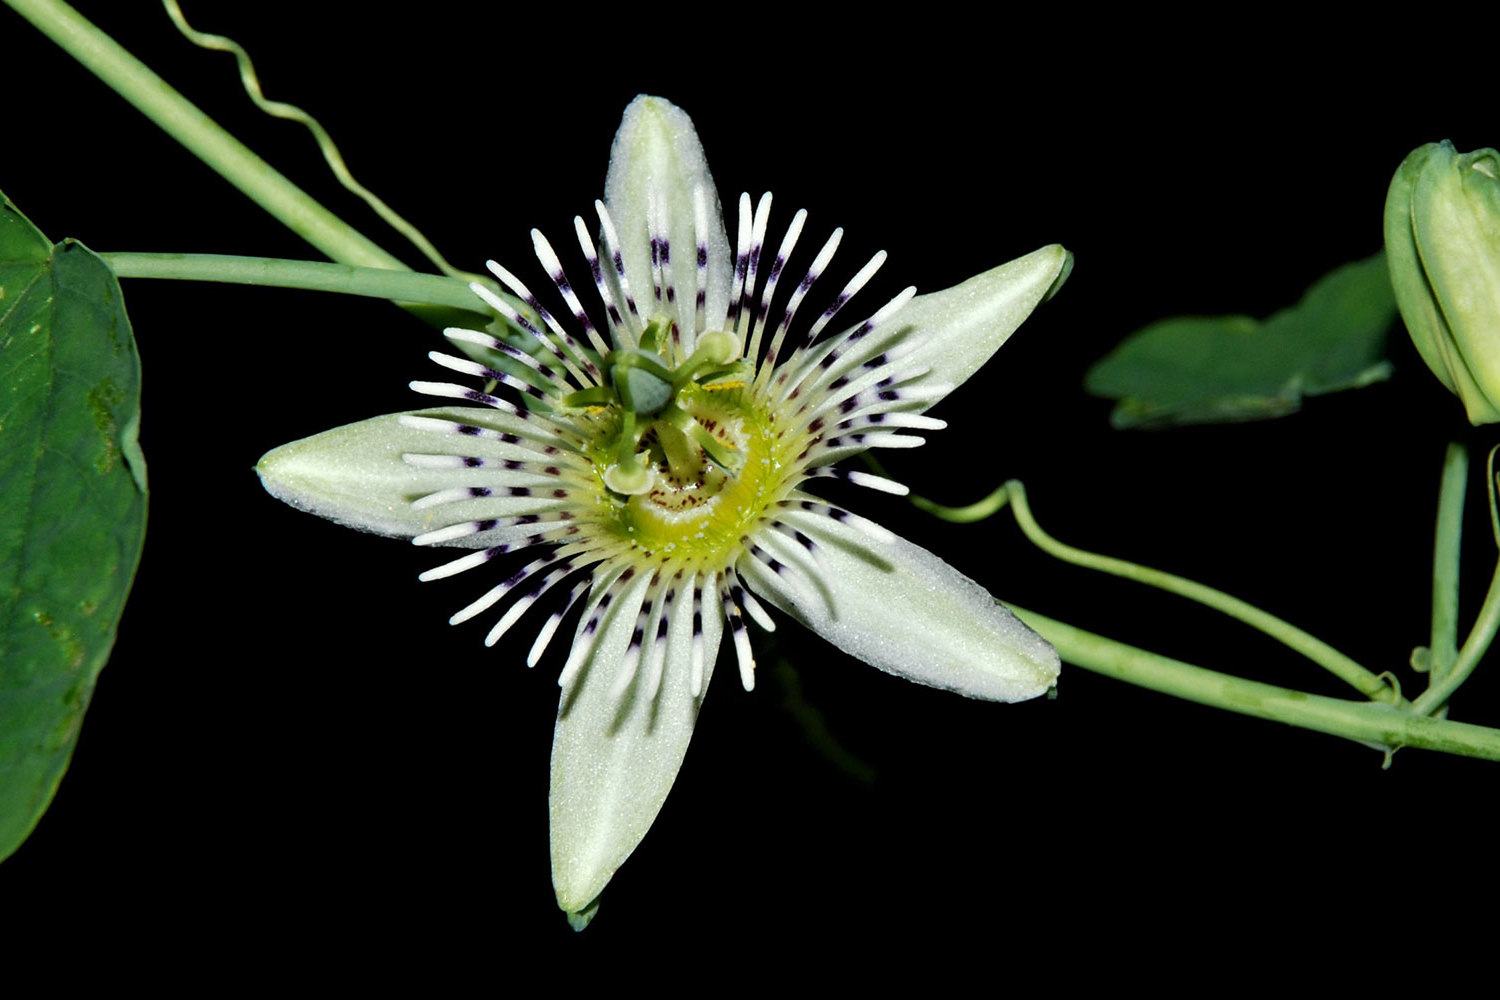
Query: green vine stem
201, 135
320, 276
1443, 648
439, 300
1315, 649
1368, 722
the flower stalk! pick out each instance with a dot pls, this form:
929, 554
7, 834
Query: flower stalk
1442, 650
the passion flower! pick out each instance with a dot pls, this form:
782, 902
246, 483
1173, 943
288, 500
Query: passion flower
651, 465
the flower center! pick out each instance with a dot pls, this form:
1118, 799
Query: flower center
688, 460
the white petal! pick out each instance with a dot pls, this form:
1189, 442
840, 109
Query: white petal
613, 762
902, 609
657, 147
355, 475
958, 329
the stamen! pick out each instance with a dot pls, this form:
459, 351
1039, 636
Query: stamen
722, 454
715, 349
631, 477
632, 474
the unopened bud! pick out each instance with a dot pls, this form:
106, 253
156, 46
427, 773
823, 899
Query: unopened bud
1442, 239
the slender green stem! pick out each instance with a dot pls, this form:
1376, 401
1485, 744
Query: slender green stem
1443, 648
1336, 663
437, 299
1475, 646
202, 136
380, 283
1364, 721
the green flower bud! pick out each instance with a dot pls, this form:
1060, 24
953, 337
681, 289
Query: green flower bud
1442, 238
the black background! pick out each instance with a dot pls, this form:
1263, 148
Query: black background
291, 752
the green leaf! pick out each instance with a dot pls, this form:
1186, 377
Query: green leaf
72, 502
1218, 369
